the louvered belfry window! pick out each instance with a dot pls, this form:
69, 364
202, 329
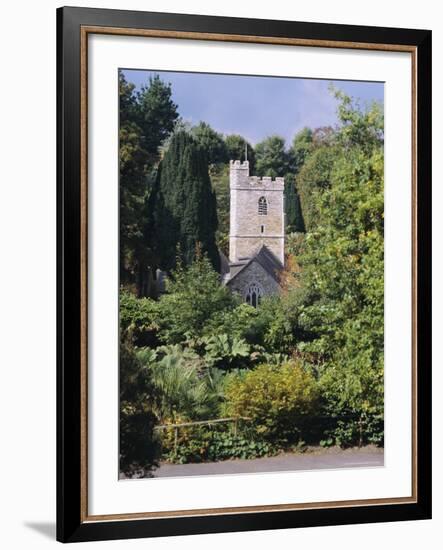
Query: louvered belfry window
262, 206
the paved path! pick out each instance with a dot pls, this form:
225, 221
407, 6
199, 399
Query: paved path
368, 457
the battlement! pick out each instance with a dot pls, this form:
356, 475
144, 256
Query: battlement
239, 165
240, 178
266, 182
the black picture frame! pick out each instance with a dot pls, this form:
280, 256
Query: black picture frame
72, 526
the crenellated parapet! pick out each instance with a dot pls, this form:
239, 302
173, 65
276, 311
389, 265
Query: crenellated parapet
240, 178
266, 183
239, 165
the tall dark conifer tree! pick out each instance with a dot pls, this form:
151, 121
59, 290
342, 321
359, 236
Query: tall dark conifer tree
185, 212
294, 217
146, 119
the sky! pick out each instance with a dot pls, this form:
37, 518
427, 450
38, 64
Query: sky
257, 106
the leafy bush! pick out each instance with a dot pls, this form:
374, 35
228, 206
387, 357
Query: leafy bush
224, 351
184, 387
194, 295
275, 398
313, 179
138, 318
270, 325
353, 429
239, 322
342, 276
212, 443
139, 448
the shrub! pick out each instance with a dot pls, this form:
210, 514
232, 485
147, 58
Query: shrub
224, 351
185, 388
138, 318
277, 399
139, 448
194, 295
351, 428
238, 322
212, 443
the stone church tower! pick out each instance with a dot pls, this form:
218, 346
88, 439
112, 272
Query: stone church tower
256, 214
257, 234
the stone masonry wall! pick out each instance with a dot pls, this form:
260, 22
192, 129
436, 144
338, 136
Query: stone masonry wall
254, 273
243, 247
246, 223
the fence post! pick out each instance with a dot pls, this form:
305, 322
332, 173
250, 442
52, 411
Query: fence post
175, 439
235, 427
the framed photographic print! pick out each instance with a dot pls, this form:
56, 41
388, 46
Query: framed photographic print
244, 274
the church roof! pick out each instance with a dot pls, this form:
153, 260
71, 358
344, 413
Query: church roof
262, 256
224, 264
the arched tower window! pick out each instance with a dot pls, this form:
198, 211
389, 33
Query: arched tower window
262, 206
253, 295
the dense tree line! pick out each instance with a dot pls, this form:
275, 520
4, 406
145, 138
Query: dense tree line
147, 117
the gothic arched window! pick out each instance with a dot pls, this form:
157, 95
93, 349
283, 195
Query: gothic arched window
262, 206
253, 295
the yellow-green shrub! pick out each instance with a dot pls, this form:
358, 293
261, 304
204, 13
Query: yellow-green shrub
276, 399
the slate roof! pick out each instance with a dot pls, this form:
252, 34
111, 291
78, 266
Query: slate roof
224, 264
262, 256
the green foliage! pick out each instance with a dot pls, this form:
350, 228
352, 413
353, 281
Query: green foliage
156, 115
302, 145
133, 181
185, 214
293, 214
225, 351
354, 429
209, 444
361, 128
275, 398
271, 157
137, 315
294, 244
185, 388
267, 329
212, 142
236, 321
146, 118
236, 146
314, 177
308, 362
194, 295
220, 184
342, 274
139, 448
273, 326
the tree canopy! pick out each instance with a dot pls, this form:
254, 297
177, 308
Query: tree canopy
212, 142
185, 211
342, 267
302, 145
271, 157
146, 119
237, 146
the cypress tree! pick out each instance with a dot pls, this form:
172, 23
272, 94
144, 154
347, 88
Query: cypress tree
294, 218
186, 216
